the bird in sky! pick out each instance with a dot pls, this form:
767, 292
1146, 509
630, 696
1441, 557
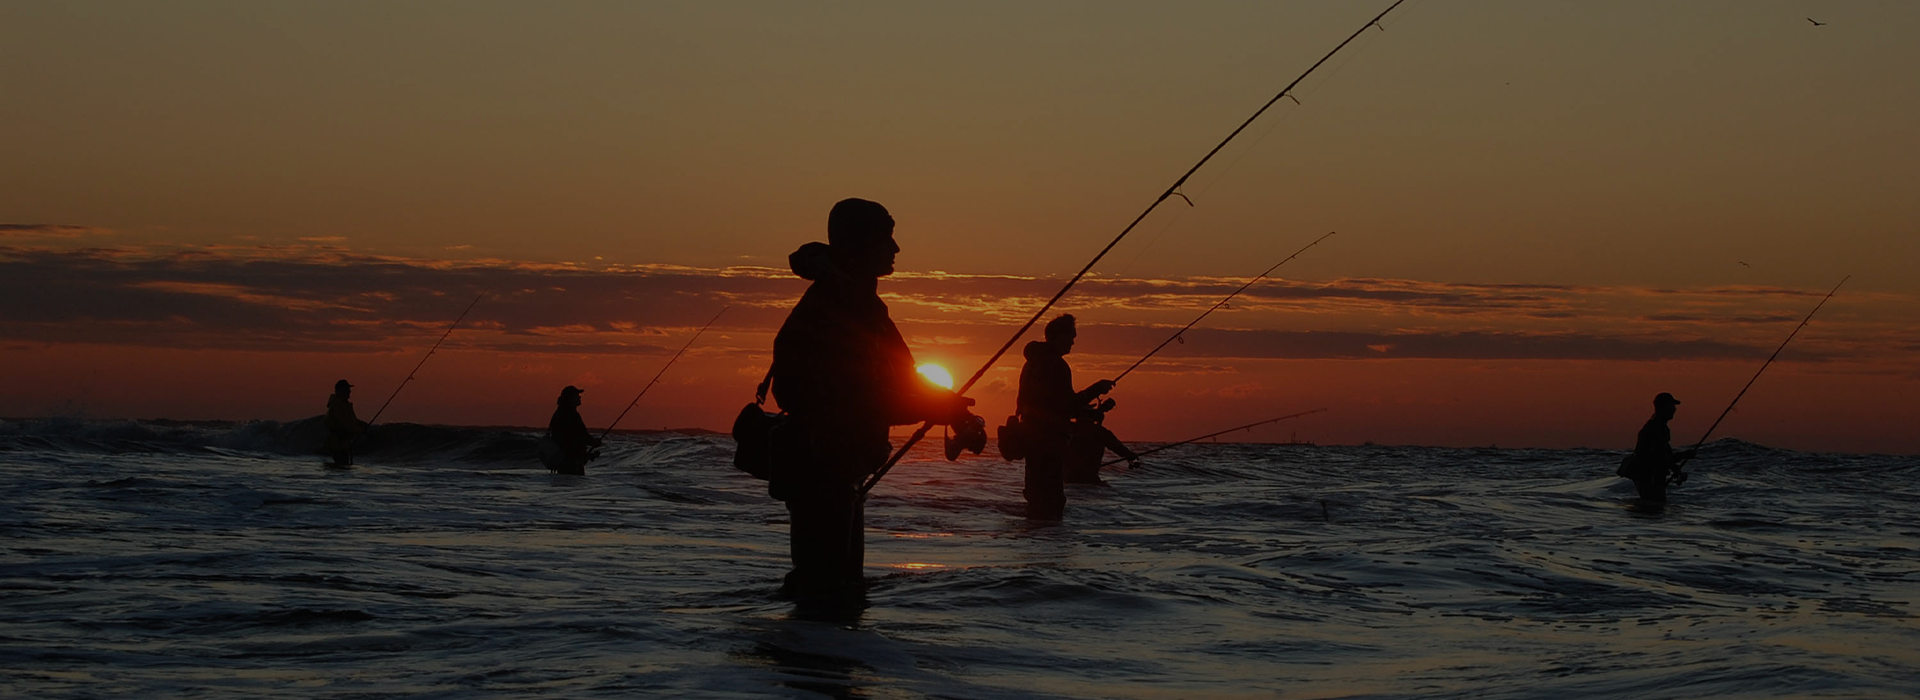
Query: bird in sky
1744, 264
1817, 24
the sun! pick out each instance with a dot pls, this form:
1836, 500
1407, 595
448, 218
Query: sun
937, 374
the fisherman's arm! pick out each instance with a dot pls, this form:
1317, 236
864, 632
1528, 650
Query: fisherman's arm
347, 422
1056, 395
916, 400
1095, 391
586, 436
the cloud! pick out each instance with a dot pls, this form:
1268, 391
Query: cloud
1228, 344
43, 231
243, 294
1694, 318
325, 298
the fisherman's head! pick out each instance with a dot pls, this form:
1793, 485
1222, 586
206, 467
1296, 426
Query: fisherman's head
1060, 333
342, 387
860, 238
1663, 405
570, 396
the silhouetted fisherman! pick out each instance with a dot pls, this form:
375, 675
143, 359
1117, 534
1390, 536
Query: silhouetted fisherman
1653, 460
342, 425
1091, 443
1048, 407
570, 433
843, 375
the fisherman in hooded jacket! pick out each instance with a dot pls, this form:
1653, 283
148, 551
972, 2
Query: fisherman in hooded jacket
843, 375
1048, 407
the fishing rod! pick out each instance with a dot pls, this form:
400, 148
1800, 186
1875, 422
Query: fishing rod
1138, 455
423, 358
1216, 307
1171, 191
662, 372
1678, 476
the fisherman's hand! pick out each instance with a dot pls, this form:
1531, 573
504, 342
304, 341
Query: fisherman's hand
1101, 387
951, 409
1108, 405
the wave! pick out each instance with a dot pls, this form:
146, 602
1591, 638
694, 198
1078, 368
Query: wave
1729, 460
393, 442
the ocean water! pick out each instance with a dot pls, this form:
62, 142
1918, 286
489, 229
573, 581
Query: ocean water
151, 560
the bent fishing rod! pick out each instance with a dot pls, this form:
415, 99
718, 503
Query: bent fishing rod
1216, 307
1679, 476
1172, 190
662, 372
1138, 455
423, 358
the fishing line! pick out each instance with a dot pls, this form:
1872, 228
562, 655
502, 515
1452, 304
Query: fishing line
661, 373
1273, 125
1216, 307
423, 358
1172, 190
1678, 476
1138, 455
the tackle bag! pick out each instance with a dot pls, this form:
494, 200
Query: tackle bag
753, 434
551, 456
1012, 439
753, 441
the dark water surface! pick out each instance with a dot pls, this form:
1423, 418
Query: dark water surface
165, 560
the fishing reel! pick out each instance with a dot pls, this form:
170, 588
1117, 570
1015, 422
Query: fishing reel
969, 435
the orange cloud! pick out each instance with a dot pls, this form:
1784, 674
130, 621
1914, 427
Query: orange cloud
1282, 344
50, 231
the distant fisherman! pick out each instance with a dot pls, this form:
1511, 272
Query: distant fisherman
1091, 443
1048, 407
1653, 460
570, 433
342, 425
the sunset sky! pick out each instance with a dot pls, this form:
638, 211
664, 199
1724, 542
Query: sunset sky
1547, 211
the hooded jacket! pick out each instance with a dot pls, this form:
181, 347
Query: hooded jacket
840, 366
1047, 398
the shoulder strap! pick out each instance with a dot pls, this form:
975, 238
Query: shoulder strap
760, 392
